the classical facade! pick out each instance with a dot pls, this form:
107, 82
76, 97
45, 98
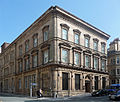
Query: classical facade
114, 61
63, 54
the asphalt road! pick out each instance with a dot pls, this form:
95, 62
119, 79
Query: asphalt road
81, 98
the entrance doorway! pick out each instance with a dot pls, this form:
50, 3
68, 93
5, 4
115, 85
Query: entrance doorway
87, 86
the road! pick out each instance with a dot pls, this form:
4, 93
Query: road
81, 98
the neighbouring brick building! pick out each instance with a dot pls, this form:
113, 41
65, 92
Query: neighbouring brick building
60, 52
114, 61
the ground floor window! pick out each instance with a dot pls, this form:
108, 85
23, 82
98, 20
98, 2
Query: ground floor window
96, 82
77, 81
64, 81
103, 82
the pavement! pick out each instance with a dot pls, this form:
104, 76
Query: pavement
79, 98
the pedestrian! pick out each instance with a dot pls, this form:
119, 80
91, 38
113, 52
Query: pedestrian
39, 93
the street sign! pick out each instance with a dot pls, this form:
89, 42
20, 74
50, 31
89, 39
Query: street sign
34, 84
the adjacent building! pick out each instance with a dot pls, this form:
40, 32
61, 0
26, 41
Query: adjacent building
60, 52
114, 61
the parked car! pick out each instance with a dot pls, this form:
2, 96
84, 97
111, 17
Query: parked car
101, 92
115, 95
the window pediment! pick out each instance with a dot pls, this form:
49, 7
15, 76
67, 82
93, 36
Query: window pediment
27, 55
87, 51
64, 44
103, 43
77, 31
64, 25
34, 51
96, 54
45, 45
87, 35
103, 57
95, 39
77, 48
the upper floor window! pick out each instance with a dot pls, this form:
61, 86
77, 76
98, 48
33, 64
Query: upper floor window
20, 50
27, 63
26, 45
64, 56
103, 48
35, 40
86, 42
87, 61
45, 33
95, 45
20, 66
77, 58
96, 62
103, 65
118, 71
35, 60
76, 38
45, 54
64, 34
118, 60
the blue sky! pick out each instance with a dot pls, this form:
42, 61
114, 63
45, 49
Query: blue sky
17, 15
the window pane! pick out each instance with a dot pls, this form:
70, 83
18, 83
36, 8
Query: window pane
77, 59
77, 81
64, 56
103, 65
86, 42
117, 60
76, 38
87, 61
95, 46
95, 63
103, 48
35, 60
65, 81
46, 56
35, 41
45, 35
64, 34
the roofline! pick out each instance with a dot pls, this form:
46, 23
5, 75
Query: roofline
84, 23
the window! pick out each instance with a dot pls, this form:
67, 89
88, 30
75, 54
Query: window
45, 56
77, 81
64, 34
76, 38
27, 63
86, 42
64, 56
64, 81
19, 83
35, 41
87, 61
20, 66
118, 71
26, 81
26, 45
95, 45
45, 35
35, 60
103, 82
20, 50
117, 60
103, 65
96, 82
114, 61
77, 58
96, 62
103, 48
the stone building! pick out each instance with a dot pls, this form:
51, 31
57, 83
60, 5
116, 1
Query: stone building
114, 61
60, 52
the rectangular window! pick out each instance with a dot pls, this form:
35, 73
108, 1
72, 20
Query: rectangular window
64, 34
64, 56
86, 42
114, 61
103, 48
64, 81
45, 35
103, 82
103, 65
27, 64
20, 50
26, 81
77, 81
20, 66
45, 56
35, 60
118, 60
77, 58
35, 41
95, 62
76, 38
26, 46
19, 83
118, 71
96, 82
95, 45
87, 61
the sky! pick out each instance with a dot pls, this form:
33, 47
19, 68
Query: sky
18, 15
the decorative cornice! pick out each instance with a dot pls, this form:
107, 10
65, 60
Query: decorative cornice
35, 51
95, 39
103, 57
27, 55
64, 25
87, 51
87, 35
64, 44
45, 45
77, 48
96, 54
103, 43
77, 31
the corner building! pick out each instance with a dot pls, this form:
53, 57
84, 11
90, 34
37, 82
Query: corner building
63, 54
